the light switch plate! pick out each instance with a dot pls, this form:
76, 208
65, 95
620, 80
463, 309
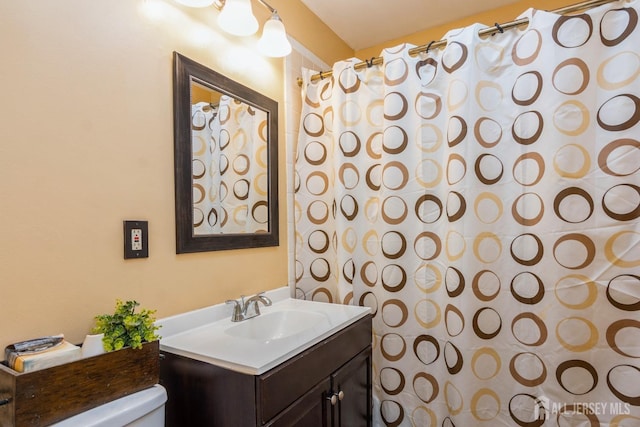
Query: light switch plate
136, 239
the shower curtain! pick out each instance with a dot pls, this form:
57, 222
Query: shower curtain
229, 167
484, 201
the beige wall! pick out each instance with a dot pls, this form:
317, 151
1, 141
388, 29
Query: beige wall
86, 141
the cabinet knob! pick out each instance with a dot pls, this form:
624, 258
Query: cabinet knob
335, 397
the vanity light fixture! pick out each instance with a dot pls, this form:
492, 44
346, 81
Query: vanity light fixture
236, 17
274, 42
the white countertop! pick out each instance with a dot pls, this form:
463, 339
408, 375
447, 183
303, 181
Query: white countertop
208, 334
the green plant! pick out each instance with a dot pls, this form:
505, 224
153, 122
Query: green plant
126, 328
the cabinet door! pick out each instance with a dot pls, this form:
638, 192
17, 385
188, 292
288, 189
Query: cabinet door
310, 410
351, 385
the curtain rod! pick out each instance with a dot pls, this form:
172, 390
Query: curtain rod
486, 31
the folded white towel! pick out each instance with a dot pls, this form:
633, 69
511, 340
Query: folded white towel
41, 353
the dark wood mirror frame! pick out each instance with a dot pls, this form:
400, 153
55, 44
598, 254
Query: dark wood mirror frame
187, 71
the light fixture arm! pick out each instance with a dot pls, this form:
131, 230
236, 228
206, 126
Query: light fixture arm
265, 4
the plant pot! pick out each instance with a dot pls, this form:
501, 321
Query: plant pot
43, 397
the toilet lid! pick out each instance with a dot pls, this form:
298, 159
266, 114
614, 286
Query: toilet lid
119, 412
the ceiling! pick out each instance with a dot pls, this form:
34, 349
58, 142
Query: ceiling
366, 23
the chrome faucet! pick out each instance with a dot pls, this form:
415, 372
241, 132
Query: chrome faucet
243, 310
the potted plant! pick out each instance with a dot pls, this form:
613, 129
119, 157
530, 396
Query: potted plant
125, 327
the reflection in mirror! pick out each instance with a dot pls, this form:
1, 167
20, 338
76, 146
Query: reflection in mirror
226, 162
230, 183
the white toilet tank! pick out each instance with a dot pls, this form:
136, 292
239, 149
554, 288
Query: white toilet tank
142, 409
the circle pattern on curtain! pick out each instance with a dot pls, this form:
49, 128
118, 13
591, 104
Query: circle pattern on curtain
484, 201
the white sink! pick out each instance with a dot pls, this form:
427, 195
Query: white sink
276, 325
284, 329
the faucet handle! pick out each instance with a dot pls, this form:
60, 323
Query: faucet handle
262, 294
237, 310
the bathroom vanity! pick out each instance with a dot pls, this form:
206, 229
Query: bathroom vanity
321, 377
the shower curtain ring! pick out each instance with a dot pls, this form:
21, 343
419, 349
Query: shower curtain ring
370, 62
429, 45
499, 28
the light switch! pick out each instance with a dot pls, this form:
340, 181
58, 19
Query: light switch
136, 239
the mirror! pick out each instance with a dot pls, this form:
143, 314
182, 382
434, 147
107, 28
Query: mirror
226, 162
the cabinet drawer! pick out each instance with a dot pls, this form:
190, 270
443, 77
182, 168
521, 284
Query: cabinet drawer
281, 386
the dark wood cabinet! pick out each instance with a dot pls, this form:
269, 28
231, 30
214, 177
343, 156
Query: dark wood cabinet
328, 385
312, 409
351, 385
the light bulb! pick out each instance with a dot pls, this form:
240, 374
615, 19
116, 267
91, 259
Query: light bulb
237, 18
274, 41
